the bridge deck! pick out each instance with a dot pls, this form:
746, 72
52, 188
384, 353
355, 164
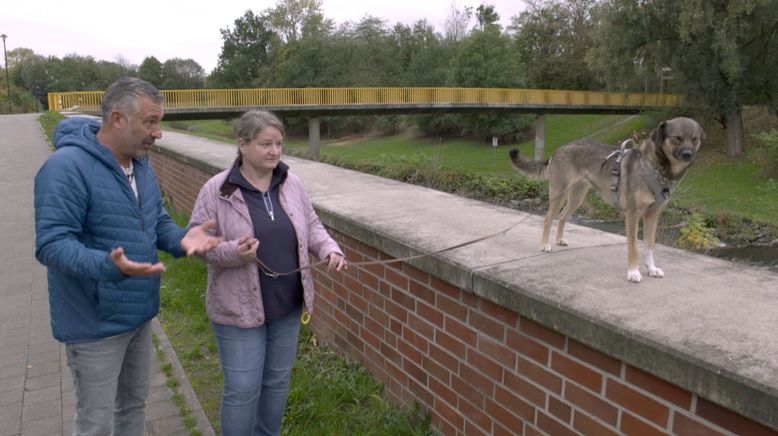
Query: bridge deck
214, 103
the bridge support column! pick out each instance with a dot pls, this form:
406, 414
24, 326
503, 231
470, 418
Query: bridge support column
540, 136
313, 138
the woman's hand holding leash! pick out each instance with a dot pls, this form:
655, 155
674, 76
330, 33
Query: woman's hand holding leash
337, 262
247, 248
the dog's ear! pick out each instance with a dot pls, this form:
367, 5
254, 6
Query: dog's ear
658, 135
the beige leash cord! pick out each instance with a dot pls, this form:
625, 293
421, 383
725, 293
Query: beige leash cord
305, 318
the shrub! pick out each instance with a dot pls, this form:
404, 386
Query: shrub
695, 235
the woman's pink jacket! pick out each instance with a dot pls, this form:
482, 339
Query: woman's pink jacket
233, 295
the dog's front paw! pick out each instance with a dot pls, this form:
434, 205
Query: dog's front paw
633, 275
656, 272
562, 242
546, 248
653, 270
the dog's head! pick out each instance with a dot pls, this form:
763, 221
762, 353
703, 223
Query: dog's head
678, 139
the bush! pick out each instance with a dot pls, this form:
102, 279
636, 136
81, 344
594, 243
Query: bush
695, 235
426, 172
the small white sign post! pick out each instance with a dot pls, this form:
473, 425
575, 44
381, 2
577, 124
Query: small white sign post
494, 148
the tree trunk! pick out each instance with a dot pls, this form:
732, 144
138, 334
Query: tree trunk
735, 135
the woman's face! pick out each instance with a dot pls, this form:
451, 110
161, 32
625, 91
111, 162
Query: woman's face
264, 151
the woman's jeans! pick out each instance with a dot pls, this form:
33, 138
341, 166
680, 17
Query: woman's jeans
111, 383
257, 365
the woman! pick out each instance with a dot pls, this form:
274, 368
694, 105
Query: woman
264, 213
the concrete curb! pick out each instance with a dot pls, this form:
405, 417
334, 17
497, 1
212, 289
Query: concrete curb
196, 410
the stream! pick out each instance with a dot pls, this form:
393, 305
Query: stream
756, 255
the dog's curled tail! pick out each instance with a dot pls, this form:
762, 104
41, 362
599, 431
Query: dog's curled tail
536, 169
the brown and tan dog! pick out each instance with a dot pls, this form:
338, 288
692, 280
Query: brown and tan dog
637, 181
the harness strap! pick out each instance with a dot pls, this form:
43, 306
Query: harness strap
660, 190
616, 167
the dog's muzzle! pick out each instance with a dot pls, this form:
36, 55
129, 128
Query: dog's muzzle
685, 154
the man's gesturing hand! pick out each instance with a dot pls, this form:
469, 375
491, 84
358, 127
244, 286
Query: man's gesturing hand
130, 268
197, 240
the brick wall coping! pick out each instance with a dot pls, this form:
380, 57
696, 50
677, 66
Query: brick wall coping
709, 326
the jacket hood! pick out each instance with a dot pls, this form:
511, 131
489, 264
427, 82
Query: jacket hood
82, 132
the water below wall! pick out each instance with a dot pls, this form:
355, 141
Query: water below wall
755, 255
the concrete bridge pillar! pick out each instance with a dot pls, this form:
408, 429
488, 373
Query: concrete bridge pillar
540, 136
314, 138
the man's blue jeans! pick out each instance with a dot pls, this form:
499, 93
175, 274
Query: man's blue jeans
257, 365
111, 383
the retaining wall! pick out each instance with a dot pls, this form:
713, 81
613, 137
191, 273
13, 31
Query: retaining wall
526, 347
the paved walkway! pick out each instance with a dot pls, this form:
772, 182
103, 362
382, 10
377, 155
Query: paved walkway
36, 389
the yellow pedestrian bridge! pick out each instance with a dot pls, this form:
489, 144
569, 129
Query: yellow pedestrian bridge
315, 102
223, 103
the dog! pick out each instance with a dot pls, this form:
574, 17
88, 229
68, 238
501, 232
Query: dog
637, 180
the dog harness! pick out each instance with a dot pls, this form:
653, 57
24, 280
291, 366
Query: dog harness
656, 181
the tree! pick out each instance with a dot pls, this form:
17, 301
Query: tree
291, 18
28, 73
457, 22
485, 15
245, 59
182, 74
485, 59
421, 54
722, 54
308, 61
552, 39
150, 70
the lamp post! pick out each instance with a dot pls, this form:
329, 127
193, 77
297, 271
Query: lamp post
663, 76
7, 79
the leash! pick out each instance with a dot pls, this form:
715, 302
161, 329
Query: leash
274, 274
305, 317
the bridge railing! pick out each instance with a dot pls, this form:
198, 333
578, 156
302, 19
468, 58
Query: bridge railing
89, 101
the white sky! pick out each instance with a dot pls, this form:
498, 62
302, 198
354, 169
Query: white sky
185, 29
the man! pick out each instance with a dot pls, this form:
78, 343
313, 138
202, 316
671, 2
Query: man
99, 221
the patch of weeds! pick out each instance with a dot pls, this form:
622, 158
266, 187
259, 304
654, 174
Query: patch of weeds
173, 384
696, 235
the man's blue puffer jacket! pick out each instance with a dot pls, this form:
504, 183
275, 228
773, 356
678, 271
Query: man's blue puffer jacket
85, 207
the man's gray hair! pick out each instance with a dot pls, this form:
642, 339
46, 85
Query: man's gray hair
123, 94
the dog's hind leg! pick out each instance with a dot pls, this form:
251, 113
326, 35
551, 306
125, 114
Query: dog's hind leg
555, 199
575, 197
650, 224
631, 220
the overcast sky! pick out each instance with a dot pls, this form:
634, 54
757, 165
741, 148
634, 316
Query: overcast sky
185, 29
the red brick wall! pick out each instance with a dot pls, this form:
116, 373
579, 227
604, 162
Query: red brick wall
180, 182
481, 369
476, 367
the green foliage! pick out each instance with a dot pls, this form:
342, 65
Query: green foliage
330, 395
720, 54
485, 59
48, 121
182, 74
245, 57
696, 235
552, 42
150, 70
